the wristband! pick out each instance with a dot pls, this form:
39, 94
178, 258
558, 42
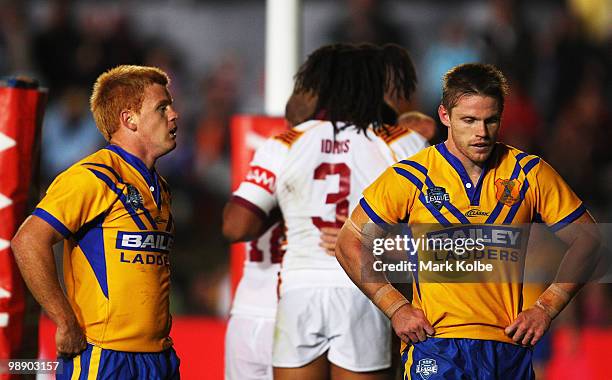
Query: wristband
553, 300
388, 299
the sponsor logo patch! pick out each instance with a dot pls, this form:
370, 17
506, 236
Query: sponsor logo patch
262, 178
489, 235
473, 213
144, 241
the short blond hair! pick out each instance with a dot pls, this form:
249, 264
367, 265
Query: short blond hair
118, 89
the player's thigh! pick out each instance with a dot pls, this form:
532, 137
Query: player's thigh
397, 366
318, 369
248, 348
339, 373
361, 333
301, 330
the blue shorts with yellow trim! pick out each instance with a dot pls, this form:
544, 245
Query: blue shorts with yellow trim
96, 363
458, 359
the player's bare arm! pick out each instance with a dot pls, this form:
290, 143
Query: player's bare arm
356, 235
579, 262
33, 249
241, 223
420, 123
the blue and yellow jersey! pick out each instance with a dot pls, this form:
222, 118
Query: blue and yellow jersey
433, 188
114, 214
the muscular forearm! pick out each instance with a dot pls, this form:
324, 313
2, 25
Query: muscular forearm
576, 268
354, 253
37, 266
349, 254
241, 224
574, 271
356, 260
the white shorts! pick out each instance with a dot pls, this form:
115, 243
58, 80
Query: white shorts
248, 348
341, 321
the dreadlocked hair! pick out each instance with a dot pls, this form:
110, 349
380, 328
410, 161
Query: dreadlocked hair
349, 82
401, 78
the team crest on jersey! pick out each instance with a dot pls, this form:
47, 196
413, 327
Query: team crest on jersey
437, 196
426, 368
507, 191
133, 198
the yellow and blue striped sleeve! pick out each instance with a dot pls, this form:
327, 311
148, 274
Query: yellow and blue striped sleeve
389, 198
556, 204
75, 198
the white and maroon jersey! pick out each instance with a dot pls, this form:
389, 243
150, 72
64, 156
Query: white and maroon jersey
256, 295
313, 176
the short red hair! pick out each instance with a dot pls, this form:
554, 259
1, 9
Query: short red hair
121, 88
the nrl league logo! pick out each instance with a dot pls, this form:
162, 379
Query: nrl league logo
437, 196
133, 198
426, 368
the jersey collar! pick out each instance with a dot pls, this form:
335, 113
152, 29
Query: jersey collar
150, 176
472, 192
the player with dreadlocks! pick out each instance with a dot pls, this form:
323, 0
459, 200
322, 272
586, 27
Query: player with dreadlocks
315, 173
401, 83
401, 80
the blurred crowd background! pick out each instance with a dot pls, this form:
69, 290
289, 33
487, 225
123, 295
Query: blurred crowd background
556, 53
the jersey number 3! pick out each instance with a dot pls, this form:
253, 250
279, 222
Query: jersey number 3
340, 199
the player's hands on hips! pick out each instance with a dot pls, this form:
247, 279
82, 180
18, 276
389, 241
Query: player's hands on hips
410, 324
529, 326
70, 340
329, 236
